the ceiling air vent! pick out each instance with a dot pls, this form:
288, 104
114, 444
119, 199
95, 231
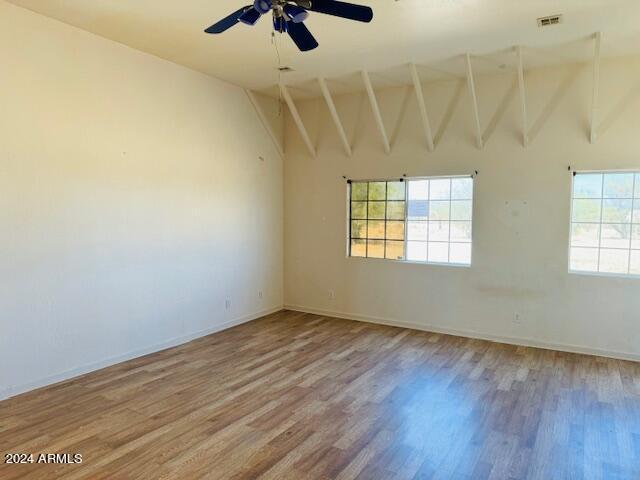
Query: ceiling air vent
551, 20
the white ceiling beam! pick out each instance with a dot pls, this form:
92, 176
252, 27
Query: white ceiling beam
474, 99
334, 114
596, 86
417, 85
297, 119
376, 111
523, 98
265, 122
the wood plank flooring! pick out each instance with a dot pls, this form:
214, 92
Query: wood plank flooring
298, 396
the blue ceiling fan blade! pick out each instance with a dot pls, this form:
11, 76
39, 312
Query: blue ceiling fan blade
342, 9
301, 36
227, 22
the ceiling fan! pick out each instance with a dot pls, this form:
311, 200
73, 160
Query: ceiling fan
289, 16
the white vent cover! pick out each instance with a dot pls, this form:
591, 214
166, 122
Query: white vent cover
550, 20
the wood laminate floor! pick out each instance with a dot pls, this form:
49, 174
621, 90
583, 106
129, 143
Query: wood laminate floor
298, 396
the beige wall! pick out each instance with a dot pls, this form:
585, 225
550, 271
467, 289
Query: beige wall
134, 203
521, 210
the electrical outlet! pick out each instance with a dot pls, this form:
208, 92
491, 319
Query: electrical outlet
332, 295
227, 303
260, 294
517, 319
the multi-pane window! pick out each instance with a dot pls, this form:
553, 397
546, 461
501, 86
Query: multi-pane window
439, 220
378, 219
419, 219
605, 223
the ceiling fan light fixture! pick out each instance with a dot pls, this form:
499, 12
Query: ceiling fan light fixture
295, 13
279, 24
262, 6
250, 16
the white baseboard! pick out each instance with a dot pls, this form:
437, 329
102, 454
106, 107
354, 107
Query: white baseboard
526, 342
107, 362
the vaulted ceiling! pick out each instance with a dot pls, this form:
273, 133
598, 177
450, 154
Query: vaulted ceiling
431, 33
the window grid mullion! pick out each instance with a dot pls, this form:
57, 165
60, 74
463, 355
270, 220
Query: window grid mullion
600, 228
633, 201
606, 248
599, 223
428, 223
350, 219
366, 226
406, 218
386, 203
449, 238
603, 198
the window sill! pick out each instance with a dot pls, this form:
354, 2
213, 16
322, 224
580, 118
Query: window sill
410, 262
622, 276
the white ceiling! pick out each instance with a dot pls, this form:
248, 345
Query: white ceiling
432, 33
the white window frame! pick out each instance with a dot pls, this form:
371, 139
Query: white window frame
588, 273
406, 220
